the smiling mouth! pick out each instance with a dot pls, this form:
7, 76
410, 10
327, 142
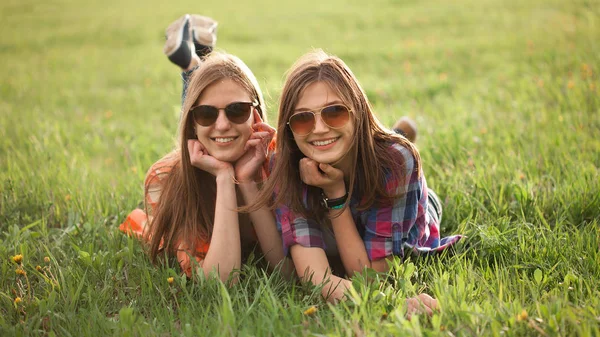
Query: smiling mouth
223, 140
324, 142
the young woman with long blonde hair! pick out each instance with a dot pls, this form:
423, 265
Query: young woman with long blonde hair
193, 193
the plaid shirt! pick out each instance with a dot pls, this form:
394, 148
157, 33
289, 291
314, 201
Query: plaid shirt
386, 230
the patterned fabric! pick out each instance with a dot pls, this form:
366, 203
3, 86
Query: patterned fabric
136, 222
385, 230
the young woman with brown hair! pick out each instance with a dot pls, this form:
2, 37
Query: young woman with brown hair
346, 188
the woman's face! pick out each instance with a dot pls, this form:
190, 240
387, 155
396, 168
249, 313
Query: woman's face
323, 144
224, 140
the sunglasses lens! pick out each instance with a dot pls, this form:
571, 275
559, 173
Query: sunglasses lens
335, 116
205, 115
302, 123
238, 113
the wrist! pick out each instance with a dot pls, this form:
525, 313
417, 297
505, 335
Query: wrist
334, 203
248, 188
335, 192
225, 176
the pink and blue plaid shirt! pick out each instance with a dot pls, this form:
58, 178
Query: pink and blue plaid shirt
386, 230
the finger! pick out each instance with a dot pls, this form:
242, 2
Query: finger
428, 301
308, 169
257, 118
331, 171
309, 166
263, 127
412, 307
260, 135
252, 143
193, 147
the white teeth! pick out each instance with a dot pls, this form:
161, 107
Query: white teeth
224, 140
324, 142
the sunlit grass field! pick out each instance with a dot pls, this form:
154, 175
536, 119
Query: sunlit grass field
506, 95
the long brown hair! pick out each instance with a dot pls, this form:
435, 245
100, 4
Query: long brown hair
185, 210
371, 141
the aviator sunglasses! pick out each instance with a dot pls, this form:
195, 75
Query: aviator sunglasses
236, 112
335, 116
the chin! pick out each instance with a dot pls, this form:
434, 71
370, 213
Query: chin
228, 157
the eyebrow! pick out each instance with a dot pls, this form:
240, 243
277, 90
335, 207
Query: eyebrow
326, 104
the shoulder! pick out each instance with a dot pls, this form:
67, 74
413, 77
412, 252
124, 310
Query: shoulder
157, 175
404, 157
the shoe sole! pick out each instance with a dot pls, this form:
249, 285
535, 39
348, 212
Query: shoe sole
204, 29
176, 33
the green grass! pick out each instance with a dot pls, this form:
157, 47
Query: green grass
507, 98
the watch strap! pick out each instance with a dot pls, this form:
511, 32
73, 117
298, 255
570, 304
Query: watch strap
336, 203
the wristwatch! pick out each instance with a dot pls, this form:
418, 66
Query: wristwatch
336, 203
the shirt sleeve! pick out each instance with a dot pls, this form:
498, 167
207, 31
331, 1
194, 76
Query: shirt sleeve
296, 229
156, 178
388, 228
153, 186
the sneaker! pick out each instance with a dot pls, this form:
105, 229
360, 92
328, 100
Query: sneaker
204, 34
407, 128
179, 47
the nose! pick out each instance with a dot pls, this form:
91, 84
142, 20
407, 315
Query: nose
320, 126
222, 123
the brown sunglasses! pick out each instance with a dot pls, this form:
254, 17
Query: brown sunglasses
335, 116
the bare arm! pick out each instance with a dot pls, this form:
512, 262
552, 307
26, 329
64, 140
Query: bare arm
224, 254
265, 227
350, 245
312, 265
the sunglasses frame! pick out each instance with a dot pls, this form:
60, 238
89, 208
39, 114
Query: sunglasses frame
254, 104
319, 112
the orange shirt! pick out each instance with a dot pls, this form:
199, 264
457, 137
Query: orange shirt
136, 223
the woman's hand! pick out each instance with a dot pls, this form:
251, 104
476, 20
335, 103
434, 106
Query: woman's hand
200, 158
252, 160
325, 176
422, 303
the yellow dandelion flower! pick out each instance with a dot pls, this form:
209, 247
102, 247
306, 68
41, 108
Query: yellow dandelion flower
108, 114
522, 316
310, 311
18, 300
170, 280
67, 197
571, 84
20, 271
134, 169
443, 76
38, 268
18, 258
46, 259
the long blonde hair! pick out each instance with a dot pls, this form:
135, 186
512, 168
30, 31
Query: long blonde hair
369, 145
185, 210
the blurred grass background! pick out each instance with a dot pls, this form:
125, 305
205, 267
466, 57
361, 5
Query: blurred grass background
506, 95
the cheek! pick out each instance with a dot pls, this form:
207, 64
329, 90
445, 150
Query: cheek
199, 131
246, 131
